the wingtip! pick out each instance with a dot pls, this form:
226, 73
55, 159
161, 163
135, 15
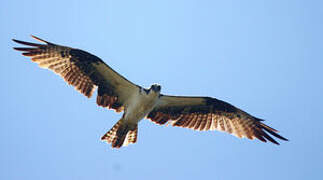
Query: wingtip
285, 139
38, 39
15, 40
273, 132
26, 43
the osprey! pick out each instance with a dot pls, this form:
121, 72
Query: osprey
87, 72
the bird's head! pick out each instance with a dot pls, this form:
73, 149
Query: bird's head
155, 87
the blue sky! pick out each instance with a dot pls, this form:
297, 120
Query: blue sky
263, 57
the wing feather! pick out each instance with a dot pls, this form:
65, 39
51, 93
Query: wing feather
205, 113
82, 70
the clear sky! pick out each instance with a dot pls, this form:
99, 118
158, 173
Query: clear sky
264, 57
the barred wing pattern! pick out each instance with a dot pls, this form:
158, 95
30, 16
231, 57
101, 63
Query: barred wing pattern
205, 113
82, 70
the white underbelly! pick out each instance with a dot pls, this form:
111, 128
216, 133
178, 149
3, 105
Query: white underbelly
139, 107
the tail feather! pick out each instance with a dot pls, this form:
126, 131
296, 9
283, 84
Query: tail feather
131, 136
121, 134
110, 135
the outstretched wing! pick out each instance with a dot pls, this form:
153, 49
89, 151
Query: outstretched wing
205, 113
82, 70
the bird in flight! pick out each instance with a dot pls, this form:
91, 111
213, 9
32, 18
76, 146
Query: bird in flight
86, 72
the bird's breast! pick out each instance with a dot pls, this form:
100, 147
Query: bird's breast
139, 106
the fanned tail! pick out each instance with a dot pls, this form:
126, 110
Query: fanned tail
132, 136
121, 134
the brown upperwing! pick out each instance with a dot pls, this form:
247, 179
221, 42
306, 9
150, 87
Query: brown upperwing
82, 70
205, 113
